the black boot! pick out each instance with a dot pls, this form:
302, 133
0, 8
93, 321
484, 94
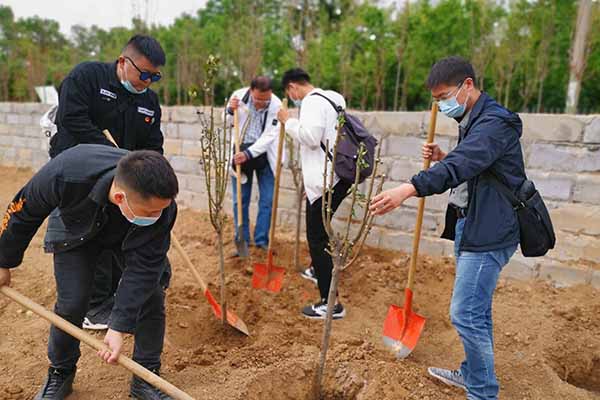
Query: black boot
58, 385
142, 390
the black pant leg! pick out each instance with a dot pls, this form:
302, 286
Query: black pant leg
106, 279
318, 240
74, 274
150, 331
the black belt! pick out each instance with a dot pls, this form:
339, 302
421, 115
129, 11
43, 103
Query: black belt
460, 212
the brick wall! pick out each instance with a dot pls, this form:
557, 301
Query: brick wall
562, 154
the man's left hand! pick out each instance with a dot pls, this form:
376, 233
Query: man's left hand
114, 341
386, 201
240, 158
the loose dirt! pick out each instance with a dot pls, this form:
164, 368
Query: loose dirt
547, 339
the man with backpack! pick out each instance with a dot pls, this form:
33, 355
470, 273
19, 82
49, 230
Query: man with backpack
257, 108
485, 171
314, 129
115, 96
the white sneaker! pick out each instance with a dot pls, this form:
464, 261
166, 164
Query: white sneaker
449, 377
309, 274
319, 311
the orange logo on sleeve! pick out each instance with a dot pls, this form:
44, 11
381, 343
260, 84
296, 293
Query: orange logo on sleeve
13, 207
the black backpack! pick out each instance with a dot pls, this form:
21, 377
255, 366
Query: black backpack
535, 225
353, 134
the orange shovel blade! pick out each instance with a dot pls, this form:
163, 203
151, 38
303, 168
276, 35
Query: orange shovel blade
232, 319
267, 277
402, 328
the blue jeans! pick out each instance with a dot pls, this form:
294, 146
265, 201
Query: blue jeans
266, 183
471, 314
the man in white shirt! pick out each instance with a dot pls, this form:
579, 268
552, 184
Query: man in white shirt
315, 127
257, 109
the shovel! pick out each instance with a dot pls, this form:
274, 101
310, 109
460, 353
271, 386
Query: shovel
94, 343
402, 327
240, 243
268, 276
232, 319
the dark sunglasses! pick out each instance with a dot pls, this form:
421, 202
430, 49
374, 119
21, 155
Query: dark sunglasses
145, 75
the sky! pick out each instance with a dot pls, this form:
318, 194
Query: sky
104, 13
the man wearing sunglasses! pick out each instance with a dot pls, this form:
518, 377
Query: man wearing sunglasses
257, 117
115, 96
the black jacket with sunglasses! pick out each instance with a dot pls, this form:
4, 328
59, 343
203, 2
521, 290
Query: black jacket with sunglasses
91, 99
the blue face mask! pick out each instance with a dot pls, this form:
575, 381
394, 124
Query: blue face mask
139, 221
130, 88
297, 103
451, 107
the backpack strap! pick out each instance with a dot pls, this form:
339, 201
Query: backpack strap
246, 97
329, 155
337, 108
502, 188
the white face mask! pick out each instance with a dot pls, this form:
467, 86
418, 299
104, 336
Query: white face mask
297, 102
139, 221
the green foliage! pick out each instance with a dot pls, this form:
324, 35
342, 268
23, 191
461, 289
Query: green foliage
377, 57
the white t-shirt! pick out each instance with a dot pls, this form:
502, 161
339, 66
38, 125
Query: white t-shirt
317, 124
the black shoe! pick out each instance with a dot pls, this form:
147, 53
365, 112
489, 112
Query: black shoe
58, 385
262, 246
319, 311
97, 318
309, 273
142, 390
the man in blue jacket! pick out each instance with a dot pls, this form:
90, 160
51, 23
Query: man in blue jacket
479, 219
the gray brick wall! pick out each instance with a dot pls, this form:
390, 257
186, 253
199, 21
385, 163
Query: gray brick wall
562, 154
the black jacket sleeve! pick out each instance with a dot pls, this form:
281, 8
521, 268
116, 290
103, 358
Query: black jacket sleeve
144, 266
29, 208
486, 142
74, 110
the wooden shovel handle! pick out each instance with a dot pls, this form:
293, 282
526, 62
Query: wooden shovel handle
421, 210
277, 178
108, 136
188, 262
238, 167
91, 341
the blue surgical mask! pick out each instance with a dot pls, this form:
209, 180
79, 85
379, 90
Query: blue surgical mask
139, 221
297, 103
451, 107
129, 87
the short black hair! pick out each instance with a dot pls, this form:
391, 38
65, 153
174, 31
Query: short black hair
148, 173
148, 47
262, 84
295, 75
450, 71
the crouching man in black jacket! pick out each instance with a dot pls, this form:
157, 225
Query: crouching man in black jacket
108, 199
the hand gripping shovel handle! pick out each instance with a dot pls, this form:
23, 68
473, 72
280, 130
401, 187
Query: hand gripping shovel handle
86, 338
421, 210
